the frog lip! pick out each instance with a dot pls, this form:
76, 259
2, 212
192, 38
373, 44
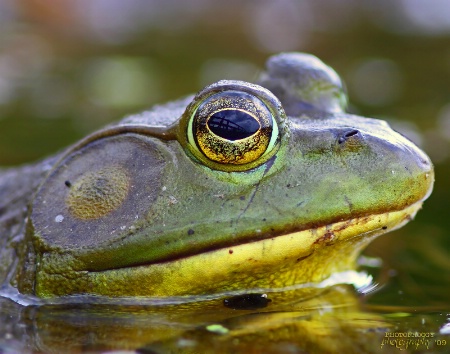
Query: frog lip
302, 257
180, 276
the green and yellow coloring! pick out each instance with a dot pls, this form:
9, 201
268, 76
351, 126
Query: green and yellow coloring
233, 125
96, 193
237, 188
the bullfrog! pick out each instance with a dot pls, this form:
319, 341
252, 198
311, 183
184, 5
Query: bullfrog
243, 186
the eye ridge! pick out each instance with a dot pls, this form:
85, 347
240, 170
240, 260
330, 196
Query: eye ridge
233, 124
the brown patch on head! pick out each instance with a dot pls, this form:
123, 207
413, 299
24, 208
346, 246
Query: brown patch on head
96, 193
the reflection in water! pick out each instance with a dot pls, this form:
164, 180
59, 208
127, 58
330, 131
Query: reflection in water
331, 322
332, 319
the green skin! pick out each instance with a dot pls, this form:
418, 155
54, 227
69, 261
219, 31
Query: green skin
137, 210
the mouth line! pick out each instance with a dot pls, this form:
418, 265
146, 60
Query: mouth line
326, 234
269, 256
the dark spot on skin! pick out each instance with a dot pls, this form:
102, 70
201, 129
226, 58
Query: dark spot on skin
302, 258
191, 232
242, 197
230, 251
327, 238
347, 135
247, 302
68, 184
384, 227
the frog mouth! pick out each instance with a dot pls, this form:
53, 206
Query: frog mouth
295, 258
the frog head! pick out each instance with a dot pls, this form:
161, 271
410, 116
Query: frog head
243, 186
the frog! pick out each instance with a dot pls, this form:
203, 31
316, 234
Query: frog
241, 186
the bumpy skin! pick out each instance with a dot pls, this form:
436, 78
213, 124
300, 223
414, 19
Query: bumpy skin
16, 190
136, 210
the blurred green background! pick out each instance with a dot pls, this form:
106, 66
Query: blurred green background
69, 67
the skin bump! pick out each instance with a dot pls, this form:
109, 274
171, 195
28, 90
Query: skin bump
97, 193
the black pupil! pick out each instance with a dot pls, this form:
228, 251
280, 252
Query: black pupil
232, 124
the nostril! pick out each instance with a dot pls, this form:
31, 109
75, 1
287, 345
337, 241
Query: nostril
347, 135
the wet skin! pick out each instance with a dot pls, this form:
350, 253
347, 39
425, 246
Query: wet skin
241, 187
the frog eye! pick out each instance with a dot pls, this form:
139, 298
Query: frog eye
234, 126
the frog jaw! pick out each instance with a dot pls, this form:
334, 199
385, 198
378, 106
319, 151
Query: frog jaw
308, 256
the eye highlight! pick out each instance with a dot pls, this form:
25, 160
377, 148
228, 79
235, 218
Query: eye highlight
233, 126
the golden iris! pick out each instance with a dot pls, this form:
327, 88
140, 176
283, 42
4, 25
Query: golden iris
232, 127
